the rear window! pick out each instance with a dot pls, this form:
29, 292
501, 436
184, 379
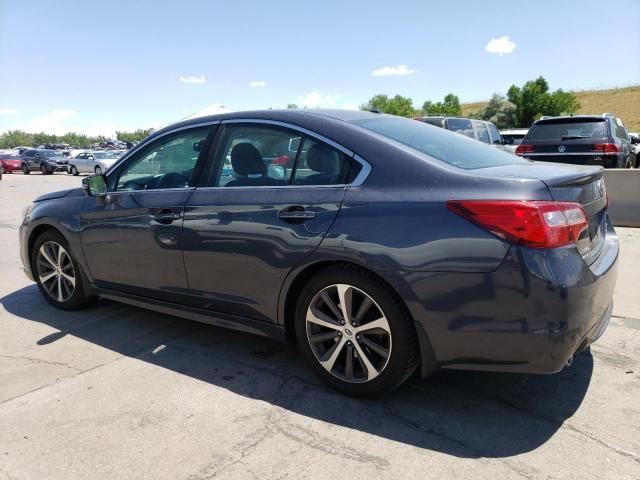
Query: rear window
441, 144
460, 125
569, 130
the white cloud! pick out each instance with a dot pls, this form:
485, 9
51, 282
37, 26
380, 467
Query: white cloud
56, 122
350, 106
500, 45
400, 70
8, 111
193, 79
213, 109
317, 99
258, 84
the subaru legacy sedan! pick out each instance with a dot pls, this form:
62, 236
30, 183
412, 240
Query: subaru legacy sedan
383, 247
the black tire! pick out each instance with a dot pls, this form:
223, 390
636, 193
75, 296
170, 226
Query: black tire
44, 170
98, 170
404, 351
25, 169
78, 298
73, 171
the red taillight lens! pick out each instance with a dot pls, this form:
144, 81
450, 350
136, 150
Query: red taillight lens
522, 149
606, 148
534, 224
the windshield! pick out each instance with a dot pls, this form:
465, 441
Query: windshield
104, 155
51, 153
569, 130
441, 144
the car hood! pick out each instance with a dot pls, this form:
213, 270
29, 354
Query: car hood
72, 192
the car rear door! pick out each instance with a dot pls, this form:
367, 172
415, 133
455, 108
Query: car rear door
246, 229
133, 241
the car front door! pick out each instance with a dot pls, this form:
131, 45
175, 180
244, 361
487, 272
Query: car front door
132, 240
271, 198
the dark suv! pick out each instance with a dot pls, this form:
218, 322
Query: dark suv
580, 140
45, 160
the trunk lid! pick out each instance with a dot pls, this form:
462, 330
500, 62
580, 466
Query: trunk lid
567, 183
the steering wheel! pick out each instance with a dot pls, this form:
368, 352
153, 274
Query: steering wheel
172, 180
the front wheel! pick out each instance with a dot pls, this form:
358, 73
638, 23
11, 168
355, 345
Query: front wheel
57, 273
44, 169
25, 169
98, 170
356, 334
73, 170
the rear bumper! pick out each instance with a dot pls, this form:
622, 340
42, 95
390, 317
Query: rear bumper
604, 160
531, 315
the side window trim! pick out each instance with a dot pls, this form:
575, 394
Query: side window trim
305, 133
144, 143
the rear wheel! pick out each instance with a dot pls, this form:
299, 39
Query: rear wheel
57, 273
25, 169
355, 333
98, 170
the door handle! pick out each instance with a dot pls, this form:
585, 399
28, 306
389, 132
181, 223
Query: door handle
165, 216
296, 213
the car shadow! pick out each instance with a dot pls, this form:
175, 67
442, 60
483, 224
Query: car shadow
466, 414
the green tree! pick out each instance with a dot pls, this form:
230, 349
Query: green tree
499, 111
533, 100
291, 106
449, 107
398, 105
135, 136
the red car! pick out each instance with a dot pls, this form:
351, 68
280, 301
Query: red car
10, 163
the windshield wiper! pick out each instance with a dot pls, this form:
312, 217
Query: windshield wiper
574, 137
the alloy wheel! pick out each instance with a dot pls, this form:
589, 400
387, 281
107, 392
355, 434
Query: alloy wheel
55, 271
98, 171
349, 333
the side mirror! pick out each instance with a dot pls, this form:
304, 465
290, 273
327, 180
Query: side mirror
95, 186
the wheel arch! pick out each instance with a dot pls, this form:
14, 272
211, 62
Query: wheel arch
296, 281
42, 228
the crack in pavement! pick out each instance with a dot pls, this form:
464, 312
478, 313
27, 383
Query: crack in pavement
41, 360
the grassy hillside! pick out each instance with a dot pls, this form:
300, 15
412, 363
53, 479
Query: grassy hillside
623, 102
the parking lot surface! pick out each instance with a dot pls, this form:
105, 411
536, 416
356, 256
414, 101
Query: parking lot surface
117, 392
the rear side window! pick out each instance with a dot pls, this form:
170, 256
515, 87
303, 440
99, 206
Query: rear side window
440, 144
460, 125
483, 134
569, 130
621, 133
496, 139
320, 164
265, 155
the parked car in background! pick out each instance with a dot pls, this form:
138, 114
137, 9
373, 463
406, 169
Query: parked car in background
1, 171
634, 138
47, 161
375, 271
483, 131
580, 139
91, 162
10, 163
512, 138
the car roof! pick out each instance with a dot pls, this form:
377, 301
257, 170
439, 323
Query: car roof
514, 131
283, 115
560, 119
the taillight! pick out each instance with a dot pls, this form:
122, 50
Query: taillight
606, 148
535, 224
522, 149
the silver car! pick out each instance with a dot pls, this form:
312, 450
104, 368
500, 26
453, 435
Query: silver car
91, 162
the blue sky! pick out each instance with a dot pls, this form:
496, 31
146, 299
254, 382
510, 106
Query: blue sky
99, 66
